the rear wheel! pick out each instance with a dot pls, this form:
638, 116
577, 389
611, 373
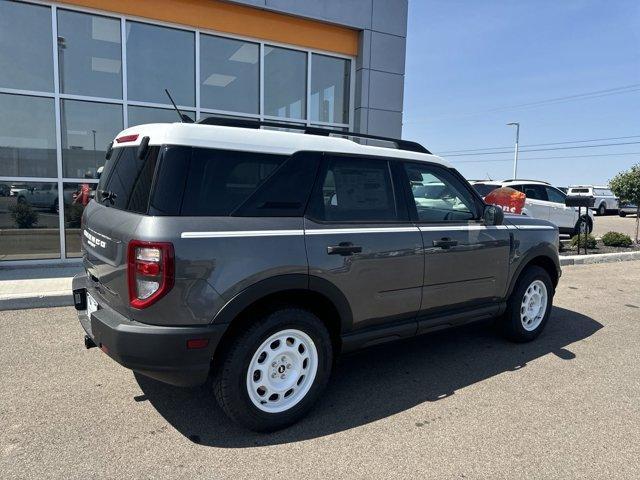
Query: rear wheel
602, 210
529, 306
275, 370
622, 214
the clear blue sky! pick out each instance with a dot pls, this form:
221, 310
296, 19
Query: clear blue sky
469, 62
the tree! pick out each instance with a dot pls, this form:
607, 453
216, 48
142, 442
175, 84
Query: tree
626, 186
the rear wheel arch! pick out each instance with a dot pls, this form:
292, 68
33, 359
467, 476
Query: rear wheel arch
313, 294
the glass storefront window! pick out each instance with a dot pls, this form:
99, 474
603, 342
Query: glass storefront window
159, 58
29, 227
330, 78
285, 83
26, 60
27, 136
229, 74
76, 197
142, 115
89, 55
87, 129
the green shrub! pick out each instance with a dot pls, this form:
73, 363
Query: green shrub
590, 241
24, 215
616, 239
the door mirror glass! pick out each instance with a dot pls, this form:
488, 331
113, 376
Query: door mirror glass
493, 215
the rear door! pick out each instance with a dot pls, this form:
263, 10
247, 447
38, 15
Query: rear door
466, 262
359, 238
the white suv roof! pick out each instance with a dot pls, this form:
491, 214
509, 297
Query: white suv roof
512, 182
257, 140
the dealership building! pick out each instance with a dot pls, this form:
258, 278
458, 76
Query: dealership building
75, 73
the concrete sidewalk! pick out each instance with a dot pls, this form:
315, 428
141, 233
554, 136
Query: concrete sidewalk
36, 287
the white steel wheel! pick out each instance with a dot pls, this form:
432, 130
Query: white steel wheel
534, 305
282, 371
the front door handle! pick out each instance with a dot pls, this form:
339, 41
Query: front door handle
344, 249
445, 243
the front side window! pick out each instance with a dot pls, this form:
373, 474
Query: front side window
355, 190
285, 83
159, 58
438, 195
555, 196
89, 54
535, 192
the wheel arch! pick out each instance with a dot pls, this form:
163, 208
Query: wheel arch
315, 294
541, 257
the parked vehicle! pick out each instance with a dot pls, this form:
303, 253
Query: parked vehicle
257, 256
605, 200
43, 195
627, 208
543, 201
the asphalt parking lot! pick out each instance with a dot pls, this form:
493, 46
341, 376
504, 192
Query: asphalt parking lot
458, 404
615, 223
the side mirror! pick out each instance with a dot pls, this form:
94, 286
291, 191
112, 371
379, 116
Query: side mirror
493, 215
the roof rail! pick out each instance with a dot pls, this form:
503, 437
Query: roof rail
250, 123
525, 180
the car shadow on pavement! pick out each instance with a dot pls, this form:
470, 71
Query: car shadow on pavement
378, 382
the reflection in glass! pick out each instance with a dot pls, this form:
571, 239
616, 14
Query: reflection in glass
87, 129
159, 58
27, 136
89, 54
330, 89
142, 115
29, 227
26, 62
285, 83
76, 197
229, 74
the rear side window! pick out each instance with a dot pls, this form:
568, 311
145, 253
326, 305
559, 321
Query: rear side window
355, 190
535, 192
219, 181
126, 181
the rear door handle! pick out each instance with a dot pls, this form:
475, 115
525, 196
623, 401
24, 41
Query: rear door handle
344, 249
445, 243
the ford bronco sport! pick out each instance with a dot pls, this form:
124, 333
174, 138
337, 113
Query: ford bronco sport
255, 257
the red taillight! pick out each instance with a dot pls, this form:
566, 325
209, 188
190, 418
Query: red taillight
150, 271
127, 138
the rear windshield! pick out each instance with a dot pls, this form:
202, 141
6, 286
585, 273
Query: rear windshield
125, 183
484, 189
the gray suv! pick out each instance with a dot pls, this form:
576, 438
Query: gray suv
255, 257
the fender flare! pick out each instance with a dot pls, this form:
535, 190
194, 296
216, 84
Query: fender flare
547, 250
280, 283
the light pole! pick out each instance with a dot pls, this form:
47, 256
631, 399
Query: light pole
515, 159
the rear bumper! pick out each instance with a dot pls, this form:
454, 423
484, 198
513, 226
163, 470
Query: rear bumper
159, 352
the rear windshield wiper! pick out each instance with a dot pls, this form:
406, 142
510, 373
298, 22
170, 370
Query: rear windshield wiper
108, 195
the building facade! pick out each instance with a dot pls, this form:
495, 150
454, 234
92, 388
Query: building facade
74, 74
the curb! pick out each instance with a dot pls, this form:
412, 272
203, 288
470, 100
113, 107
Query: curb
53, 299
599, 258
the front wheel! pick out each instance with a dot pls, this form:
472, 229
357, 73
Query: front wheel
529, 306
275, 370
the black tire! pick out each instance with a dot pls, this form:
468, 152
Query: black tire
602, 210
622, 214
230, 378
511, 323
